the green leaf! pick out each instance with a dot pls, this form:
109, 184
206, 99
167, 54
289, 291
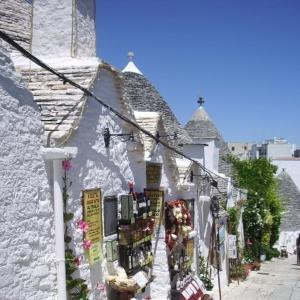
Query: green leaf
68, 216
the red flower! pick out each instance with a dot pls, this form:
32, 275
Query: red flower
77, 260
66, 164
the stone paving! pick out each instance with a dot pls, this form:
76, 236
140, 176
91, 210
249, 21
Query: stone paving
276, 280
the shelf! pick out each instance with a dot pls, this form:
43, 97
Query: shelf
137, 243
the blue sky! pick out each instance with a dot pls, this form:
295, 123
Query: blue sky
242, 56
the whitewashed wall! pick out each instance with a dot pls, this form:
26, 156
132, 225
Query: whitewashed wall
64, 28
95, 166
27, 253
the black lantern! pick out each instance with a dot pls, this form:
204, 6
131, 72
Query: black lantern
215, 206
107, 136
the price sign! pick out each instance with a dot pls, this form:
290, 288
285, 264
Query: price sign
156, 203
92, 214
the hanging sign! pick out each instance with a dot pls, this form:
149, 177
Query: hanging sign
92, 214
232, 251
153, 175
222, 234
156, 198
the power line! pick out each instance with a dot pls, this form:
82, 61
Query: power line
86, 92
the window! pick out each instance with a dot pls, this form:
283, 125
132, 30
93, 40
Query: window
110, 215
232, 148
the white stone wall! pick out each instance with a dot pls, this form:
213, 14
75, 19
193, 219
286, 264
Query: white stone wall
96, 166
64, 28
27, 262
85, 28
52, 28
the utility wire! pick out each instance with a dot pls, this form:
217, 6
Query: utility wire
65, 79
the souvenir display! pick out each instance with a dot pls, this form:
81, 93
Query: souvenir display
135, 244
135, 231
180, 249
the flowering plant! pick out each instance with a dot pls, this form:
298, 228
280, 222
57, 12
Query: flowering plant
76, 287
66, 164
87, 244
84, 226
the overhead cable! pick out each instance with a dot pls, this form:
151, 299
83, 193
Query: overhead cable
65, 79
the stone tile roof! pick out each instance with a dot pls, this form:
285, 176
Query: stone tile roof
143, 96
15, 20
61, 104
290, 195
201, 128
221, 191
150, 122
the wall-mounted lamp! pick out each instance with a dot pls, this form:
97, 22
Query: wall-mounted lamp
107, 135
215, 206
172, 136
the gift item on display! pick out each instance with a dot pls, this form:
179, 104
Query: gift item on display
133, 258
142, 204
111, 251
190, 288
180, 245
135, 231
127, 209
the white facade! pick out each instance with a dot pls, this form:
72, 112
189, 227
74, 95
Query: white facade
27, 250
64, 28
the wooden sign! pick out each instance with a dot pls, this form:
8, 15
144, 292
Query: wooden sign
156, 203
92, 214
153, 175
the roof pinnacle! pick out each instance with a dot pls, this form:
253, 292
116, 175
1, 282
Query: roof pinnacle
130, 56
201, 101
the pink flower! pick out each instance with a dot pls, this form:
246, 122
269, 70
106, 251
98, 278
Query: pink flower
84, 226
66, 164
87, 244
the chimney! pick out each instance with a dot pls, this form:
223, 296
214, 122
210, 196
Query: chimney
64, 28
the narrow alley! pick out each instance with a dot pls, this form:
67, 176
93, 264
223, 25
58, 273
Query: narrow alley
278, 279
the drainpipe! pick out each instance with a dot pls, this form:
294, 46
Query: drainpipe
57, 155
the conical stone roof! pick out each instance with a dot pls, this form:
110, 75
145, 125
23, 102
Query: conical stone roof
143, 96
290, 196
201, 128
